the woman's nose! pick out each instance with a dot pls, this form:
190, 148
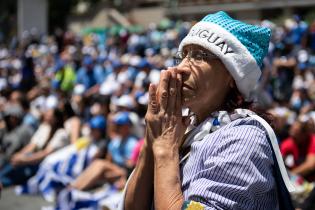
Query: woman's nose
183, 67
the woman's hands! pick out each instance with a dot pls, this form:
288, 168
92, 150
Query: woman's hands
165, 130
157, 169
165, 127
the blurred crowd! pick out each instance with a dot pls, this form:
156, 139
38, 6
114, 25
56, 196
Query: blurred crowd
72, 107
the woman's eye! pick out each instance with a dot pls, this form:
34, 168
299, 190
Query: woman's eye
197, 56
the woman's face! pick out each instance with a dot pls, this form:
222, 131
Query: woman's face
297, 132
206, 81
49, 116
96, 133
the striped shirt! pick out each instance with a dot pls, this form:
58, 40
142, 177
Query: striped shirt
231, 168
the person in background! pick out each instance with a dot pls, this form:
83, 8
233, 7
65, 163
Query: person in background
30, 118
15, 134
298, 150
121, 146
116, 166
226, 159
49, 137
64, 166
28, 80
65, 76
85, 74
282, 75
72, 122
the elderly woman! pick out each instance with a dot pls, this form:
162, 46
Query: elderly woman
226, 156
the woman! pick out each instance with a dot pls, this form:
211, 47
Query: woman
226, 160
49, 137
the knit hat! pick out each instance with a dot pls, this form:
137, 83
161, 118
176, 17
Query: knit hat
240, 46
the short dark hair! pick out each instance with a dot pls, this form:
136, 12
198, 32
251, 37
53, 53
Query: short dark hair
235, 100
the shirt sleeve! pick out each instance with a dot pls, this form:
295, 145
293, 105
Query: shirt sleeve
59, 139
238, 172
40, 137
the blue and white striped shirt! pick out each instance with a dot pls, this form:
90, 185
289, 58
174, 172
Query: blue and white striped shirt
231, 168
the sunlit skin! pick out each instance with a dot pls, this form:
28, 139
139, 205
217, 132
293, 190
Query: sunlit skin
205, 84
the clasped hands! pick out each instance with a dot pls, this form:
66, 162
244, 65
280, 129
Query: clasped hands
165, 125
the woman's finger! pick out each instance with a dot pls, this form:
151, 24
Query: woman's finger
163, 90
153, 106
172, 94
178, 103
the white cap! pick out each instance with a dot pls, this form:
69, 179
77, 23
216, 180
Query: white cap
125, 101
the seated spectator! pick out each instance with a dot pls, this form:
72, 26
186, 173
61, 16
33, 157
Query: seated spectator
298, 150
115, 167
49, 137
86, 75
64, 76
72, 122
60, 168
126, 103
15, 134
300, 102
283, 118
29, 118
121, 146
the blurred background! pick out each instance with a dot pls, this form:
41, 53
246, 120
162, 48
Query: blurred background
74, 76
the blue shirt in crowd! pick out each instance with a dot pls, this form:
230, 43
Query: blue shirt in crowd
121, 149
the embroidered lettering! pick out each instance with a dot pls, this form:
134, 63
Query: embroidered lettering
221, 45
211, 35
228, 50
212, 38
204, 34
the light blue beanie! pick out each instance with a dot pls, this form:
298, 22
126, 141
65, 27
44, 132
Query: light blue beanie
240, 46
